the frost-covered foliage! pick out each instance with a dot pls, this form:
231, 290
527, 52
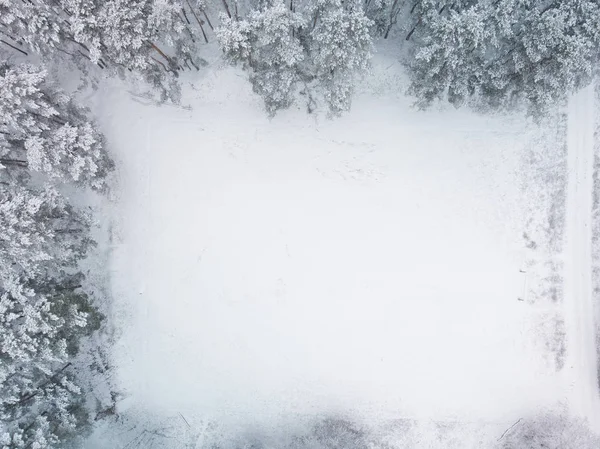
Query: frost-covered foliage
544, 197
40, 324
129, 34
153, 39
32, 24
43, 130
504, 52
40, 234
46, 140
267, 42
340, 47
384, 14
42, 315
321, 46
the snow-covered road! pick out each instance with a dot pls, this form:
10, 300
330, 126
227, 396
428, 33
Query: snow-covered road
579, 308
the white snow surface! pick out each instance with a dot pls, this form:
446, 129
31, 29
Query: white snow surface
579, 307
298, 265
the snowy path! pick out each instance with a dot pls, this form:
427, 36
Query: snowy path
579, 312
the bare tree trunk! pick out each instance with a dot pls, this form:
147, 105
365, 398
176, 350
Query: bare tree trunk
16, 162
207, 20
203, 34
409, 35
199, 21
163, 55
14, 48
315, 20
226, 8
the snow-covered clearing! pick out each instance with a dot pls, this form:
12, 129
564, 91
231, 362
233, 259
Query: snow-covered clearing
368, 264
579, 308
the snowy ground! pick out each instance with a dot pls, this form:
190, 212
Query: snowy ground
368, 265
579, 312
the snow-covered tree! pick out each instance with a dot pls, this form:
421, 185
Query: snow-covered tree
123, 36
450, 60
320, 46
33, 25
43, 315
43, 130
339, 45
128, 33
267, 44
505, 52
40, 232
549, 430
552, 49
41, 324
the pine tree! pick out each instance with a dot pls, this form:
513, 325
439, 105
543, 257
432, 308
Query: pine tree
321, 46
505, 53
268, 45
42, 315
339, 45
43, 130
40, 232
123, 36
45, 316
41, 323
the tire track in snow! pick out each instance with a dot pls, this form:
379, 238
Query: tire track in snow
578, 300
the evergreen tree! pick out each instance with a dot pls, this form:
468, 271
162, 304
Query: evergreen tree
267, 44
33, 25
43, 316
138, 36
40, 233
43, 130
501, 53
41, 323
321, 45
339, 45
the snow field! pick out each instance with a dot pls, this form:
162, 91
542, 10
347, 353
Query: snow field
301, 265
